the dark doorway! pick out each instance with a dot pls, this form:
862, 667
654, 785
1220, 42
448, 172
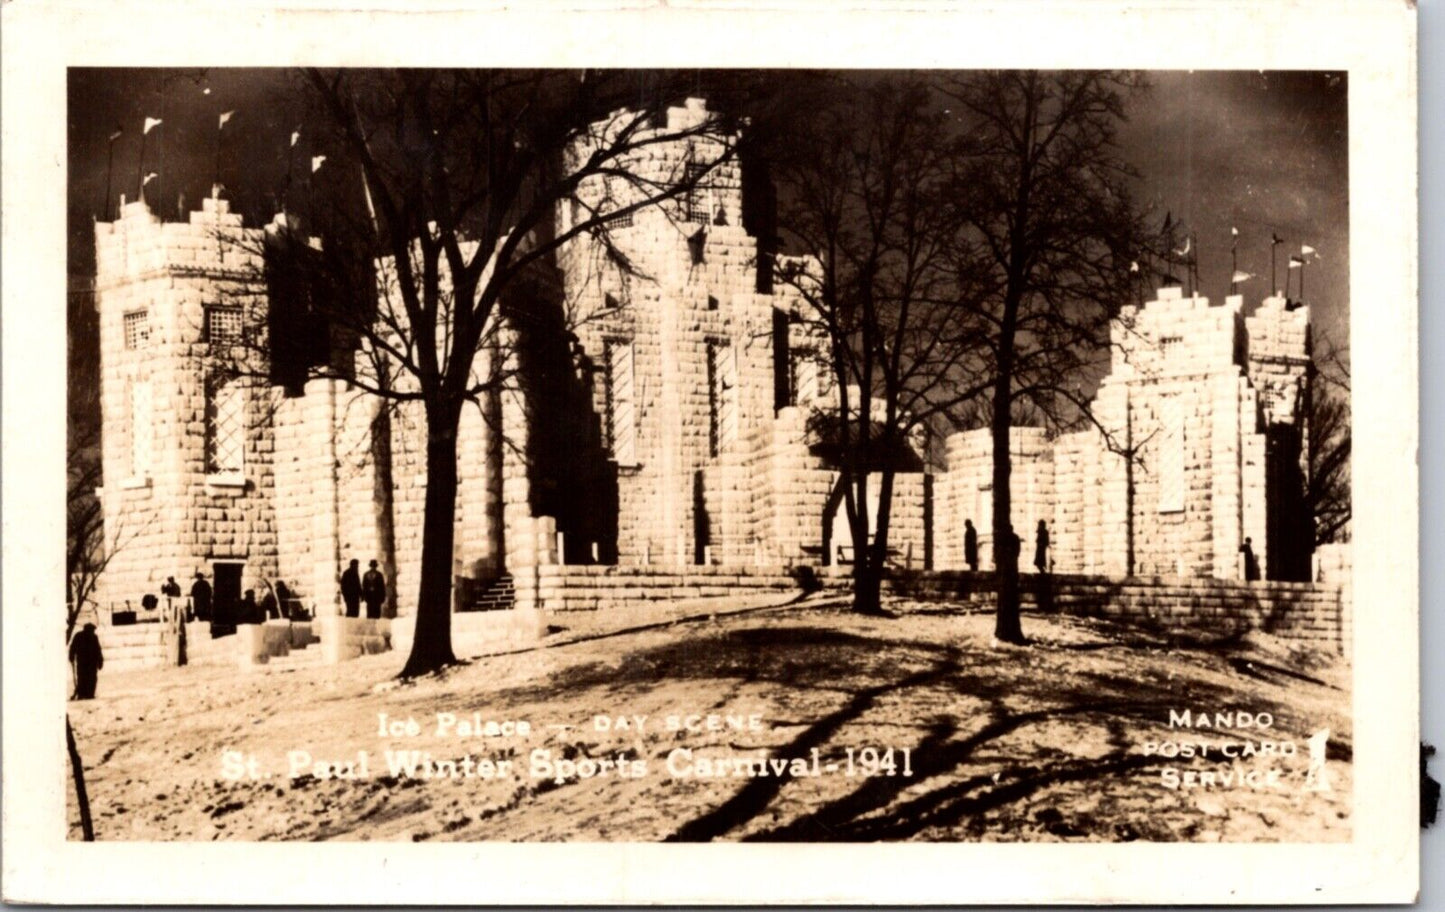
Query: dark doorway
227, 596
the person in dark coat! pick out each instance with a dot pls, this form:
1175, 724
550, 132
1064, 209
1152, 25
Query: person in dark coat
1041, 548
86, 660
288, 609
201, 597
1012, 545
373, 589
171, 588
1251, 563
351, 589
270, 605
970, 545
250, 611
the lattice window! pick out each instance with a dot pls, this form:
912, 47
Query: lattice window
223, 324
802, 376
699, 194
722, 397
137, 329
142, 430
225, 426
1171, 455
617, 198
621, 418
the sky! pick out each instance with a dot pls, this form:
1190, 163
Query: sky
1263, 152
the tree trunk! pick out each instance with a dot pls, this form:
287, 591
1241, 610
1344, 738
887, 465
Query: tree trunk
866, 579
867, 585
1007, 626
383, 502
431, 646
82, 798
872, 561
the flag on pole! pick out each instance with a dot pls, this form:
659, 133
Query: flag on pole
1240, 276
1296, 262
151, 122
370, 206
117, 133
316, 161
295, 135
150, 176
1275, 239
1185, 250
224, 117
1307, 250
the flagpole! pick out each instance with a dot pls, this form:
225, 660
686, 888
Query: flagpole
109, 166
140, 169
1233, 264
1194, 279
1274, 241
160, 159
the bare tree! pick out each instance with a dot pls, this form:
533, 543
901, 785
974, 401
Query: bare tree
467, 185
867, 202
1046, 199
1327, 420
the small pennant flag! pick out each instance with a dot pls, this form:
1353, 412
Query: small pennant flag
1296, 262
1234, 232
295, 135
224, 117
149, 177
151, 122
117, 133
1185, 250
316, 161
1240, 276
1168, 219
1307, 250
1275, 239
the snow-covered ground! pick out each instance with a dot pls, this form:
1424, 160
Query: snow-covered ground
740, 726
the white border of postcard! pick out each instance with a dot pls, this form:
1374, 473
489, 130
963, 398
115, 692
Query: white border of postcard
1373, 39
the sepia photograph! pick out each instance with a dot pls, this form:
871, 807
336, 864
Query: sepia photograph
695, 455
515, 443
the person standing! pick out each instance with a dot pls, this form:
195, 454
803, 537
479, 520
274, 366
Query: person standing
351, 588
970, 545
86, 660
373, 589
1251, 563
1013, 546
201, 597
1041, 548
270, 605
250, 611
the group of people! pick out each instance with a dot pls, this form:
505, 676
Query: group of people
357, 587
1041, 549
1011, 542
